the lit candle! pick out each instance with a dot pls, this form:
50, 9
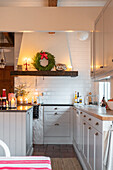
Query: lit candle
21, 100
26, 101
12, 102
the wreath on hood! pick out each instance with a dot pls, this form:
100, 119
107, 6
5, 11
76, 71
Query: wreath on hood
40, 56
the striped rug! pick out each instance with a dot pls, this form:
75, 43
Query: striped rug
25, 163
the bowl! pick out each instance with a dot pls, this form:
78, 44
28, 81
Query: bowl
110, 104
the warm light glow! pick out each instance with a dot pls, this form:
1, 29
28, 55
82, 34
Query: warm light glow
26, 107
26, 100
69, 68
21, 108
12, 102
97, 66
21, 100
27, 31
69, 31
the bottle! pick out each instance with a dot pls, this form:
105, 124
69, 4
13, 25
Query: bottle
38, 100
80, 99
0, 102
4, 99
77, 97
32, 100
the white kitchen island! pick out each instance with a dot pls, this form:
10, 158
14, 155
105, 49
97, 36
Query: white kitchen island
16, 130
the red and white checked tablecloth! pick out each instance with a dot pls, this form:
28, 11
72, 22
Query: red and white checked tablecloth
25, 163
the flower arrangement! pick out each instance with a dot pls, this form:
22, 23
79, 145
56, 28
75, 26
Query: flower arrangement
43, 55
20, 90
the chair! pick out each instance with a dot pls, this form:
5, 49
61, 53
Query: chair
6, 149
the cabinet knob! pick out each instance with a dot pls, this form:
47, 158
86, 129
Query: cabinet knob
84, 123
89, 119
96, 123
84, 115
56, 124
56, 113
80, 112
55, 108
89, 128
96, 133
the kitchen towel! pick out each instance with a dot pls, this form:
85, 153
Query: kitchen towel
108, 155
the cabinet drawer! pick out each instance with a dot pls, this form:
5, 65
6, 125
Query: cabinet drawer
56, 116
56, 108
84, 115
57, 129
97, 124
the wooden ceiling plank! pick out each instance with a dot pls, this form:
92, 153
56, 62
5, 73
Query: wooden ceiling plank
52, 3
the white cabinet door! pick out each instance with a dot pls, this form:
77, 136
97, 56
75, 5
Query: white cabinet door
29, 138
76, 127
80, 146
97, 150
108, 34
98, 45
85, 140
91, 147
74, 124
27, 131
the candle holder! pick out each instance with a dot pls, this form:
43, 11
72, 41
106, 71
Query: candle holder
26, 64
12, 100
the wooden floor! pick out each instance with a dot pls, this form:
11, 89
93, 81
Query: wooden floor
63, 157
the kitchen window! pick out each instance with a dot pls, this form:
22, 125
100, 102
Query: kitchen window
104, 91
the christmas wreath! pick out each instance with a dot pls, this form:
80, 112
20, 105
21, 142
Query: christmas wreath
40, 56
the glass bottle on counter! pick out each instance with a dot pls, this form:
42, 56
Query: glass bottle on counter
75, 96
4, 99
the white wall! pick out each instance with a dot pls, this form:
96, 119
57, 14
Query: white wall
34, 42
61, 90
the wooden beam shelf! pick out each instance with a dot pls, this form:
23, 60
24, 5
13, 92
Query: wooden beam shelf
44, 73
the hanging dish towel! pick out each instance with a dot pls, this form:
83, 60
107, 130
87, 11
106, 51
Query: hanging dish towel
108, 156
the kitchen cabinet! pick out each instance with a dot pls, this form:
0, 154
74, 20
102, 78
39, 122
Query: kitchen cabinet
91, 139
108, 34
85, 139
98, 45
29, 131
76, 127
38, 128
103, 40
16, 131
95, 148
57, 125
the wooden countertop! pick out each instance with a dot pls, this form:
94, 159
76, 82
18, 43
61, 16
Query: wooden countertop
97, 111
18, 109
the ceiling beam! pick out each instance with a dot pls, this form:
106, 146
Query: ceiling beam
52, 3
9, 37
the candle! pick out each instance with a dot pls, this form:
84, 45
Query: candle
21, 100
26, 100
12, 102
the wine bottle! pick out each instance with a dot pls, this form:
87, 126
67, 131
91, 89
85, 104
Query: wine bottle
4, 99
